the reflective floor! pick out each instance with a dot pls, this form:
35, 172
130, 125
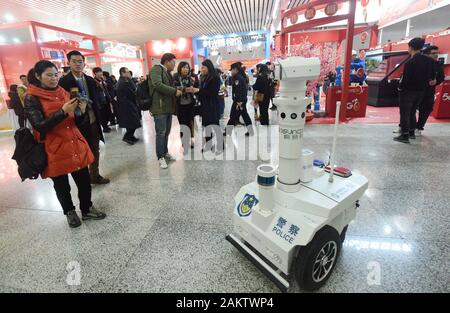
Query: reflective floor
165, 229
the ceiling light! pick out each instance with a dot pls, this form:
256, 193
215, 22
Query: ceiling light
182, 43
2, 39
9, 17
16, 40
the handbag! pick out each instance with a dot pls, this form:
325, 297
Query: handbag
29, 154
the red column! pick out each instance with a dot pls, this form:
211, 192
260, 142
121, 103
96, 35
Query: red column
348, 57
373, 36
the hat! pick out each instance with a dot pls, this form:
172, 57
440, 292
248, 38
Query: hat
354, 52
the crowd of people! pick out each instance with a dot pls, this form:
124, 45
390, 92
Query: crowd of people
70, 112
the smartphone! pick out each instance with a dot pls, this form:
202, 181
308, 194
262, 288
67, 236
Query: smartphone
74, 92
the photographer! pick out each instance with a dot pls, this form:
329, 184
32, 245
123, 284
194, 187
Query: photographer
55, 119
185, 103
87, 87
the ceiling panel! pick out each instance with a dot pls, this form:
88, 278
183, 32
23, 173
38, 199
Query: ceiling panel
136, 21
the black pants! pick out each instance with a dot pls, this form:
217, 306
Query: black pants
105, 113
22, 120
62, 188
129, 133
409, 102
186, 117
236, 113
114, 116
264, 113
94, 144
425, 109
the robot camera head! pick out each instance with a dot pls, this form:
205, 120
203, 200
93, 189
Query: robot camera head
297, 68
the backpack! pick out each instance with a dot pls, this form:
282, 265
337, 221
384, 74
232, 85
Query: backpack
29, 154
144, 96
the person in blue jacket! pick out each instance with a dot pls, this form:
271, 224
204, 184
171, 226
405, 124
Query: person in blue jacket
355, 67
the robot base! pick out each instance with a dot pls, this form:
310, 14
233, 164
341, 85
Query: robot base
302, 233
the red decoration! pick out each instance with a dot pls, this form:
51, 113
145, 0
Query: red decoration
360, 72
293, 18
310, 13
364, 36
364, 3
331, 9
285, 20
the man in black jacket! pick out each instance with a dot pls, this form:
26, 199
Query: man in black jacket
239, 91
104, 99
427, 103
111, 86
87, 87
418, 74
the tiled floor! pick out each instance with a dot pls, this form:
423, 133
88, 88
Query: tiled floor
165, 230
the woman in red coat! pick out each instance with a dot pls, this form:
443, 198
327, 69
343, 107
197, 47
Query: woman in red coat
54, 117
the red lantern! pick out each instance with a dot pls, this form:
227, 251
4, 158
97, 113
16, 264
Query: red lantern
364, 36
310, 13
364, 3
331, 9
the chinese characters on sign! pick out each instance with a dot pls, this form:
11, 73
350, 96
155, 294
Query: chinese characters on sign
286, 231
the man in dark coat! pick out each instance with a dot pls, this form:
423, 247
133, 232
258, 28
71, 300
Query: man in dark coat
128, 109
427, 103
86, 86
104, 99
111, 86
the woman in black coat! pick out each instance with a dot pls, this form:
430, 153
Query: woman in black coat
185, 104
128, 109
16, 104
262, 87
208, 96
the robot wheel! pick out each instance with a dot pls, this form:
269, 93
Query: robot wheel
316, 261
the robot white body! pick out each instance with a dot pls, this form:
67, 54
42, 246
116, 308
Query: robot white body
282, 215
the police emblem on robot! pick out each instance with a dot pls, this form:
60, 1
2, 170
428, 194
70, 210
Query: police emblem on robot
244, 208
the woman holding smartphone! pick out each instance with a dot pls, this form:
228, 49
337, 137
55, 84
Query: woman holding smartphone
50, 111
185, 104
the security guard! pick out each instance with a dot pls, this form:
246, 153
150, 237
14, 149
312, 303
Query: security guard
240, 90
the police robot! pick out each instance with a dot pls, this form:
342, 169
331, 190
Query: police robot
291, 221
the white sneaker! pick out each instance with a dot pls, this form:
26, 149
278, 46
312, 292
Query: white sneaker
162, 163
397, 131
169, 157
418, 133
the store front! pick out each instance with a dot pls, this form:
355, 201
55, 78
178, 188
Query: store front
180, 47
23, 44
223, 50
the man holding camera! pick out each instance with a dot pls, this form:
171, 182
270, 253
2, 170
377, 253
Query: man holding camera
87, 87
